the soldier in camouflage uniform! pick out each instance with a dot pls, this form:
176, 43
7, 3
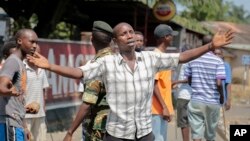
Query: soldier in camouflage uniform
94, 108
95, 95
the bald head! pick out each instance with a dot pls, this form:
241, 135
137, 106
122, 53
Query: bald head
20, 33
117, 28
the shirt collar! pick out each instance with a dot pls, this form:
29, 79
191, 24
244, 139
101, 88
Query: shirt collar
157, 50
138, 56
28, 67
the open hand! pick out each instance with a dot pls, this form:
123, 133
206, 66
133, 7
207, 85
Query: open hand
222, 38
38, 60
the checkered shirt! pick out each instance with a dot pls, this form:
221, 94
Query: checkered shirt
129, 93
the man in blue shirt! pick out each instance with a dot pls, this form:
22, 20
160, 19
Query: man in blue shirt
222, 129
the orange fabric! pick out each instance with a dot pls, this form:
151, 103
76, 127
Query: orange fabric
164, 84
23, 81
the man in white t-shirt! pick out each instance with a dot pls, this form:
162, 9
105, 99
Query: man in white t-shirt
183, 97
37, 83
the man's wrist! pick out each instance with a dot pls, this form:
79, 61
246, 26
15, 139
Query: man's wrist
210, 46
69, 132
49, 67
164, 107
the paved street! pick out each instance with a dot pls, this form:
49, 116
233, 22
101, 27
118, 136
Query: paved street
239, 114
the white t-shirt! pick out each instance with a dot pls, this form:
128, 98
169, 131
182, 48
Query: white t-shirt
36, 83
80, 87
184, 90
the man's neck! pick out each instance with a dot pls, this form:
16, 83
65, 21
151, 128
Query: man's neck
19, 54
32, 66
162, 47
130, 56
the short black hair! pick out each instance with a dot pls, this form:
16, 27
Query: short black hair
21, 32
206, 39
138, 32
101, 38
9, 44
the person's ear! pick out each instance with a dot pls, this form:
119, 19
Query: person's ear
91, 38
114, 40
19, 41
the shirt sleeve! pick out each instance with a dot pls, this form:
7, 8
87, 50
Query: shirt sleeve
220, 71
181, 74
187, 70
92, 70
167, 60
45, 80
228, 73
92, 89
80, 87
157, 76
10, 67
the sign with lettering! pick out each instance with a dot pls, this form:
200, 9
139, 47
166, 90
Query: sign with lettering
239, 132
64, 91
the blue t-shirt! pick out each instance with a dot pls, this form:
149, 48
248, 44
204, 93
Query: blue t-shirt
227, 81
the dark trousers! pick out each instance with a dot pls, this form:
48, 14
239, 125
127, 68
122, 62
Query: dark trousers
148, 137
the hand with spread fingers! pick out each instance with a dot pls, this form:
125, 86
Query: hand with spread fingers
38, 60
32, 108
221, 38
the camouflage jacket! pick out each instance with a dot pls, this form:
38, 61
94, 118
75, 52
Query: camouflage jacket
95, 94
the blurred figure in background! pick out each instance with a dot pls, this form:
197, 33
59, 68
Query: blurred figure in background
162, 107
8, 48
139, 39
223, 129
184, 92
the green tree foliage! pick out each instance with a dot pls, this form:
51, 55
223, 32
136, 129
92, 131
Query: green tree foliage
62, 31
214, 10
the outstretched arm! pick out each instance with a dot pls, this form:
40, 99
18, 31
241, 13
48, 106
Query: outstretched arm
176, 82
83, 110
41, 62
220, 39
